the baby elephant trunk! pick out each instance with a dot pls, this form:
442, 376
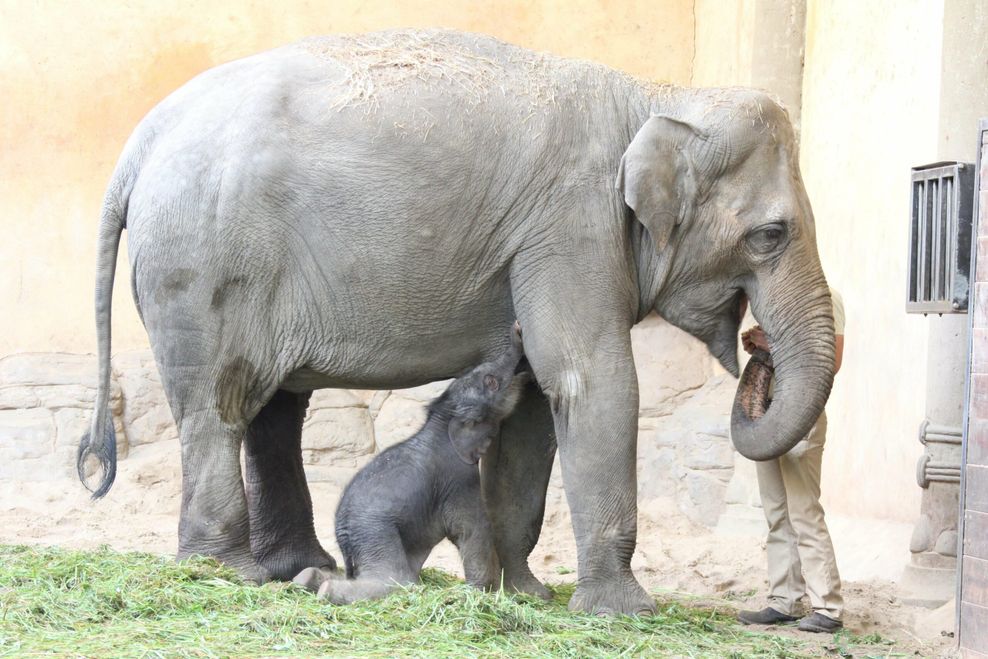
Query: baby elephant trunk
513, 356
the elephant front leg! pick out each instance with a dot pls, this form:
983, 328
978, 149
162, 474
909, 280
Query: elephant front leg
282, 533
515, 472
596, 412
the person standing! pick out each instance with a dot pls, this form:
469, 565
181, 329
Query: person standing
801, 557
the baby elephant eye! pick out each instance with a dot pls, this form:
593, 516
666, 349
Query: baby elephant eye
491, 382
767, 239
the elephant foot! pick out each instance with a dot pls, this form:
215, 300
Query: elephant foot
620, 597
247, 568
286, 565
255, 574
523, 581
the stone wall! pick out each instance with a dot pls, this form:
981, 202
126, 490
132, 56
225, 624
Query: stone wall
46, 402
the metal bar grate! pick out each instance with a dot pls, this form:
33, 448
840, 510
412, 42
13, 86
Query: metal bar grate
940, 238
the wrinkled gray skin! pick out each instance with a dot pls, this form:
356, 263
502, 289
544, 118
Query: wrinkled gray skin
331, 214
427, 488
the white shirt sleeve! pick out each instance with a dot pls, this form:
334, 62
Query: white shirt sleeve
838, 302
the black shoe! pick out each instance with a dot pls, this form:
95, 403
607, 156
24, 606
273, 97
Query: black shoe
767, 616
817, 622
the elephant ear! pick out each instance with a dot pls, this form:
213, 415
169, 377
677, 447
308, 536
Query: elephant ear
470, 438
657, 176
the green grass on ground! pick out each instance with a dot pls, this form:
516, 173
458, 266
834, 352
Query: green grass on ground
104, 603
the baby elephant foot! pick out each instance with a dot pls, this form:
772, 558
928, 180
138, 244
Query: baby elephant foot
284, 565
345, 591
312, 578
325, 591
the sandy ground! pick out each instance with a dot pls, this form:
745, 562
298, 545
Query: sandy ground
673, 556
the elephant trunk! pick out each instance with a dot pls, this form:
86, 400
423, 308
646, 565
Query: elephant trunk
801, 336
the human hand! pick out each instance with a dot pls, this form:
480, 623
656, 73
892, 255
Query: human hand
754, 339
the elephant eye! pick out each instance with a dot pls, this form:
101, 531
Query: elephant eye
767, 239
491, 382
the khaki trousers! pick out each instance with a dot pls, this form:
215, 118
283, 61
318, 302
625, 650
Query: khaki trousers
800, 554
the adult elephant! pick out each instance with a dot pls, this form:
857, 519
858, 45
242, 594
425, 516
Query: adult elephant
374, 211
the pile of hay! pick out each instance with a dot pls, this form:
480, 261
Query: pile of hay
386, 60
105, 603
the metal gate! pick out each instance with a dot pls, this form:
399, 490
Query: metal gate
972, 582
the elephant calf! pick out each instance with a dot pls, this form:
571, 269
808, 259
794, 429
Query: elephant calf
411, 496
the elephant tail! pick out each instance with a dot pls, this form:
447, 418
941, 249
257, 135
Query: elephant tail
100, 442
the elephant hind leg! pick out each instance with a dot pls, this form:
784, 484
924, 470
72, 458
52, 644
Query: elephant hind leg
347, 591
217, 372
282, 533
214, 520
380, 564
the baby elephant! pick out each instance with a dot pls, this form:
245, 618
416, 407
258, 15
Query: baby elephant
414, 494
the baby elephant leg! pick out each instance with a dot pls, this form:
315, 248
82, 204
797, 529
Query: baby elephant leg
470, 530
381, 564
481, 567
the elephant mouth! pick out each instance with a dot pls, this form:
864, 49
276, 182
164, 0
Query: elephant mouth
474, 456
739, 305
723, 344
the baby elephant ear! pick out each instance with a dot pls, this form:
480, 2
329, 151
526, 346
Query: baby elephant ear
470, 439
657, 177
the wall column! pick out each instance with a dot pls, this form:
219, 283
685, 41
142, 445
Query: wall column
929, 579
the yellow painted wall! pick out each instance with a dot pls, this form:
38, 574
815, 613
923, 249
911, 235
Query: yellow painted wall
77, 77
870, 111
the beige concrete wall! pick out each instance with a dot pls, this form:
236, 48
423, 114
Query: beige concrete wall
752, 43
963, 78
870, 106
885, 85
77, 77
724, 44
